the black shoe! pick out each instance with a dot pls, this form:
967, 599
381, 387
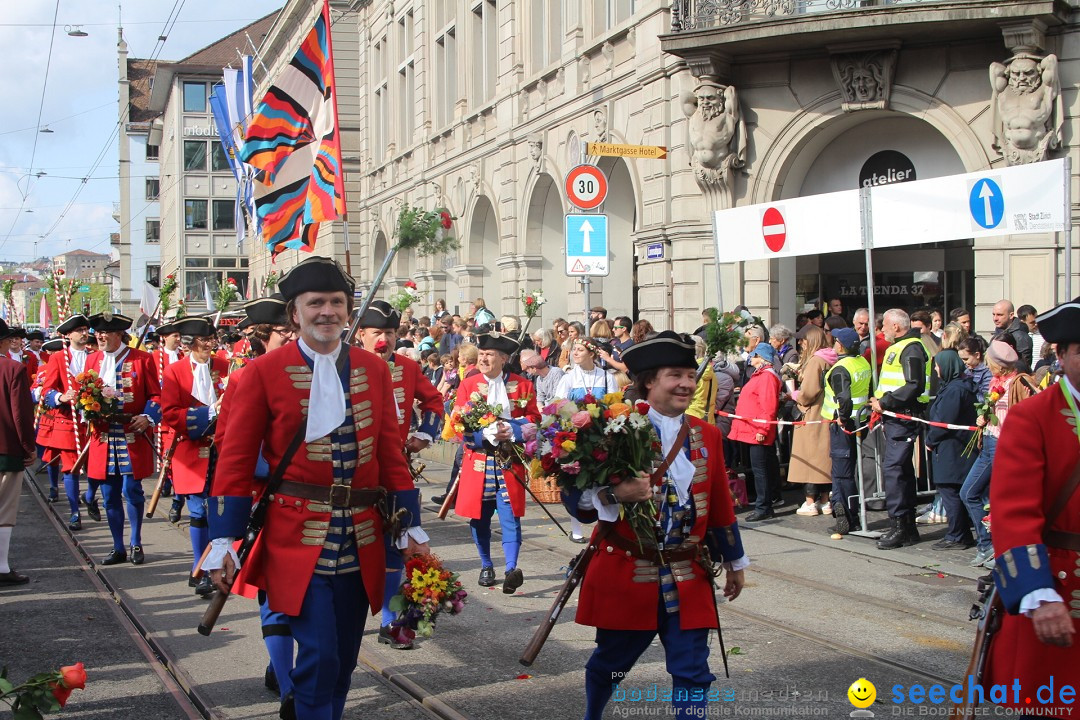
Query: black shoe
174, 513
946, 544
487, 577
12, 578
93, 510
839, 513
75, 524
288, 708
579, 539
903, 533
53, 495
760, 515
166, 490
270, 681
205, 588
512, 581
439, 499
385, 638
192, 581
115, 558
137, 556
778, 502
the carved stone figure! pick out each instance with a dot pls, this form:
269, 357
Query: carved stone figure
536, 150
865, 79
600, 125
1027, 107
717, 132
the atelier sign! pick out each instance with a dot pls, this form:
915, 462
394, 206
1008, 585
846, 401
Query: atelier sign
885, 168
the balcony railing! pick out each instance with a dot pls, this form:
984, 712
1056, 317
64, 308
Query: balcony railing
689, 15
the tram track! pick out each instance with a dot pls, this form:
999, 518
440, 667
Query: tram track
181, 687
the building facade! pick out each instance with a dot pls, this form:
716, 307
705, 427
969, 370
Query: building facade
484, 106
80, 263
198, 238
138, 242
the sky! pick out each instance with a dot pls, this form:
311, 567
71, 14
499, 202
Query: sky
74, 89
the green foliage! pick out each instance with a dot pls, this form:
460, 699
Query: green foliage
426, 231
726, 332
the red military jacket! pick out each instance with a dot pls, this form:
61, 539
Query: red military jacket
470, 491
410, 384
1035, 456
189, 419
139, 381
56, 428
266, 405
30, 362
620, 592
163, 434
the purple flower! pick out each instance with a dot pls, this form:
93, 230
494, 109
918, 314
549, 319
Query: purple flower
528, 431
531, 447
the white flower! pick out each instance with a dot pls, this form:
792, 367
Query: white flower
616, 425
638, 421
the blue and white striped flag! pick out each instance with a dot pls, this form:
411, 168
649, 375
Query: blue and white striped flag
231, 103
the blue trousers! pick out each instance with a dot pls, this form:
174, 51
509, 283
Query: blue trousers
114, 490
898, 468
975, 492
327, 631
687, 657
199, 531
277, 636
511, 530
395, 563
71, 489
844, 491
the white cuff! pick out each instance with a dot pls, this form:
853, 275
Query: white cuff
149, 419
421, 436
736, 565
1035, 598
490, 431
590, 499
219, 548
213, 411
418, 535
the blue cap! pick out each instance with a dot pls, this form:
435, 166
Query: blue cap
764, 350
846, 337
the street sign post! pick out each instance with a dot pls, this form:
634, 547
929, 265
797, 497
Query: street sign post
586, 251
586, 187
649, 152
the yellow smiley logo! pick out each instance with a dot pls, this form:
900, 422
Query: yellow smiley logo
861, 694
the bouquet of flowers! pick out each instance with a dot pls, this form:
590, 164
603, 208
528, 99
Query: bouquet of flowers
985, 411
427, 589
404, 297
96, 402
428, 231
43, 693
271, 280
168, 287
597, 443
531, 302
726, 332
478, 414
181, 309
226, 293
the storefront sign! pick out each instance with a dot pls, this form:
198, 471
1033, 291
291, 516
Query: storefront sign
885, 168
206, 132
654, 251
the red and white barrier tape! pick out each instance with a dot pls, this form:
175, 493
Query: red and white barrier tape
796, 423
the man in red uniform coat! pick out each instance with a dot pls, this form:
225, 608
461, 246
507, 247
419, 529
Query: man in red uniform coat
378, 332
168, 352
34, 342
1036, 531
121, 452
18, 352
629, 592
320, 556
483, 486
60, 431
17, 448
191, 394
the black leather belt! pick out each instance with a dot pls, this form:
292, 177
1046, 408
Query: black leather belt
1062, 540
335, 495
654, 555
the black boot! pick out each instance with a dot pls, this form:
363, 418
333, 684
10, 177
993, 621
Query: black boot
903, 533
839, 513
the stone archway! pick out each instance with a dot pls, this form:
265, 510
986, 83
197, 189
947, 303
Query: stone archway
544, 238
480, 253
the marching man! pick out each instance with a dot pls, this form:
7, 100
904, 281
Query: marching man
483, 486
320, 557
168, 352
695, 511
191, 394
121, 452
378, 332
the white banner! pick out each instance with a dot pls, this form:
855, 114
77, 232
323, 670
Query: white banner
1005, 201
787, 228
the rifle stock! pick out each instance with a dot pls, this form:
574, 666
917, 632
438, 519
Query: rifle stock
217, 603
449, 500
165, 466
80, 462
989, 623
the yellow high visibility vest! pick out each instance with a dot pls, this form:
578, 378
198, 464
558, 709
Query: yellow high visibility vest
892, 372
859, 370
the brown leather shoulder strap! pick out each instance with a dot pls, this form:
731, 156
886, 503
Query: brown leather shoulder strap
680, 439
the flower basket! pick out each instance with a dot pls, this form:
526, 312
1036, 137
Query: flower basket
546, 489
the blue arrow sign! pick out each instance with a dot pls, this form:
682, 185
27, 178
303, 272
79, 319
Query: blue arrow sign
586, 244
987, 203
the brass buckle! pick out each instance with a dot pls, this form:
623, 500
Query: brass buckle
340, 495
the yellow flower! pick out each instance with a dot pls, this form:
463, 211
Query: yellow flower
569, 445
994, 397
612, 398
594, 410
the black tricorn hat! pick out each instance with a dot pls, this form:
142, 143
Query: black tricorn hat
167, 329
266, 311
54, 345
497, 341
7, 331
73, 323
1061, 324
244, 324
110, 322
381, 316
194, 326
667, 349
35, 335
316, 274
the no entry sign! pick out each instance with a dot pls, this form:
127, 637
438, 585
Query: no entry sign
773, 229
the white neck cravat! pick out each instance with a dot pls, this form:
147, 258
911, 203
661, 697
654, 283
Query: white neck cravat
76, 361
202, 388
173, 355
109, 362
681, 470
496, 395
326, 401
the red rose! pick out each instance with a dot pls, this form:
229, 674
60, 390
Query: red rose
599, 454
446, 220
614, 479
548, 463
232, 282
60, 271
589, 399
74, 676
529, 301
410, 284
642, 408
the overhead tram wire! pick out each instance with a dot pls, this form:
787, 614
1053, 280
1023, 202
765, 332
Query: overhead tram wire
174, 13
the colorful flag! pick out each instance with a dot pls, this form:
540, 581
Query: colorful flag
293, 139
45, 313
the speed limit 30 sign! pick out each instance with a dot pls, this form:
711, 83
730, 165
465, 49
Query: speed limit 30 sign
586, 186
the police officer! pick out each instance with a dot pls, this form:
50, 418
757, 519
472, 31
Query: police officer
847, 392
903, 387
